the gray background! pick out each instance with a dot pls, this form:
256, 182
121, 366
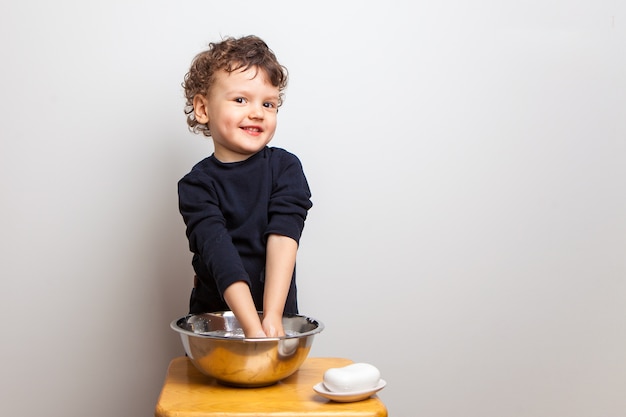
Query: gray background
468, 165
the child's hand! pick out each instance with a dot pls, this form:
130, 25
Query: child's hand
273, 326
259, 334
239, 300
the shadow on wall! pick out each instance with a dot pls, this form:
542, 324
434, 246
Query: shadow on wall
173, 271
169, 260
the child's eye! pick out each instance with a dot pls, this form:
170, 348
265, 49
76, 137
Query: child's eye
269, 105
240, 100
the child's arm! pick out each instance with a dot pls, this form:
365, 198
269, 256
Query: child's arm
239, 300
280, 263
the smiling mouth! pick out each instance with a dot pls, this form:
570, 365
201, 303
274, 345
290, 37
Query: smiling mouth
252, 129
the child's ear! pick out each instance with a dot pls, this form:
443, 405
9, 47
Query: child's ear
200, 109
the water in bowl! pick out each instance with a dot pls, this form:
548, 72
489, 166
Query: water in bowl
238, 333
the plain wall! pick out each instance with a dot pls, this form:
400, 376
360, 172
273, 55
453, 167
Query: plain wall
468, 168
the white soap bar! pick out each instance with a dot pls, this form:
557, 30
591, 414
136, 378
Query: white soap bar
352, 378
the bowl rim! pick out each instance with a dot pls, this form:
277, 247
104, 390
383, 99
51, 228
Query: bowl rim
174, 324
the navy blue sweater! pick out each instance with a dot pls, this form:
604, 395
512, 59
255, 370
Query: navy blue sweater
229, 210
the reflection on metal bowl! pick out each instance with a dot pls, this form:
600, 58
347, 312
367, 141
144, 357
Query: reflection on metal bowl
216, 346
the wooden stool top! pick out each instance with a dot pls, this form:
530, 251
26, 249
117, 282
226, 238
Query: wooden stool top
187, 392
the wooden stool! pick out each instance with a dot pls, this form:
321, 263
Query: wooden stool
187, 392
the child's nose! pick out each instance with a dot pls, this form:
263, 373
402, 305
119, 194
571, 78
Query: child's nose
256, 111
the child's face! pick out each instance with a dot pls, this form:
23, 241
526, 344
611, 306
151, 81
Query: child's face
240, 110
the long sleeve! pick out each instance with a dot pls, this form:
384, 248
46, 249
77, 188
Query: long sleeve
207, 232
290, 199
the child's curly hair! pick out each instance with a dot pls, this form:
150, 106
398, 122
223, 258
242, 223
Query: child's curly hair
230, 55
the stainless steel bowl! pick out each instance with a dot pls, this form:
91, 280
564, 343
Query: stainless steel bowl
215, 344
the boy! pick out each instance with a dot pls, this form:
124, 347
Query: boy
245, 205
